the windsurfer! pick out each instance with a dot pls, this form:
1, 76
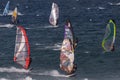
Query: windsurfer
112, 47
14, 17
75, 43
69, 69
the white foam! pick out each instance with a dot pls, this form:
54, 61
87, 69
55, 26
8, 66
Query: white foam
117, 4
87, 52
26, 6
28, 78
4, 79
88, 8
74, 8
13, 69
56, 46
7, 25
50, 26
37, 15
37, 44
101, 7
86, 79
53, 73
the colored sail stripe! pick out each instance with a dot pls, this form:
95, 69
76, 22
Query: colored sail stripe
22, 50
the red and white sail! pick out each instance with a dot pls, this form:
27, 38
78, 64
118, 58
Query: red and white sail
22, 48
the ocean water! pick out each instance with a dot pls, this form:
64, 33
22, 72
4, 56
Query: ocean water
89, 19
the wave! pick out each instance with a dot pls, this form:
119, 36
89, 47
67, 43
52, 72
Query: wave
28, 78
99, 7
85, 78
87, 52
7, 25
13, 69
50, 26
53, 73
37, 15
4, 79
117, 4
55, 47
74, 8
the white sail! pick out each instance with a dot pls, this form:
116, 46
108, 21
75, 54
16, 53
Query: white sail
22, 48
54, 15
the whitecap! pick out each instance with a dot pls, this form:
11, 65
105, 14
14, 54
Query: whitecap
7, 25
101, 8
13, 69
53, 73
4, 79
28, 78
117, 4
50, 26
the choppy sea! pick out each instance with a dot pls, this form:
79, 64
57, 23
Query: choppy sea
89, 19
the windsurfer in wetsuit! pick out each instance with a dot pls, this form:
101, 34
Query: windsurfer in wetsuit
14, 16
112, 47
69, 70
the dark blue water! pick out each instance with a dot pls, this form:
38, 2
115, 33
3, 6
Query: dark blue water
89, 19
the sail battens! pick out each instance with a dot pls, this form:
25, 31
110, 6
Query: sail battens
22, 48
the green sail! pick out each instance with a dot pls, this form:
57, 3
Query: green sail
109, 37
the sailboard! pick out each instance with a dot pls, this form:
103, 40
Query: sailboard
70, 75
14, 15
54, 15
109, 37
6, 10
67, 51
22, 48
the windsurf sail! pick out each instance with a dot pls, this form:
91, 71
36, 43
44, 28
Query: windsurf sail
14, 15
54, 15
109, 37
67, 51
22, 48
6, 10
68, 31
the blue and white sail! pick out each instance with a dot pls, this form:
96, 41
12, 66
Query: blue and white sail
6, 10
